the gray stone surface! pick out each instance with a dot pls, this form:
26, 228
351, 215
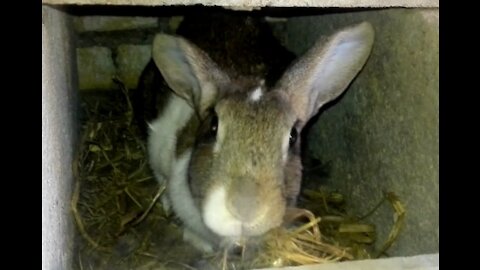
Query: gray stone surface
131, 60
421, 262
59, 136
112, 23
382, 135
249, 4
174, 22
95, 68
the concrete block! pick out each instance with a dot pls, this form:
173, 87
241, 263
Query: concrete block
382, 135
112, 23
131, 60
253, 4
174, 22
95, 68
59, 137
421, 262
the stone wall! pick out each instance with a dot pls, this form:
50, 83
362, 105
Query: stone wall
382, 135
115, 46
59, 137
256, 4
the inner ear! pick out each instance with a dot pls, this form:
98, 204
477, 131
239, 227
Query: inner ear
188, 71
326, 70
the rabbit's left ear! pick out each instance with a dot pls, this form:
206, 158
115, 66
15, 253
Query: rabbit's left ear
326, 70
189, 72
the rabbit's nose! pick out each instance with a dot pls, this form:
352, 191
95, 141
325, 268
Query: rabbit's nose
244, 203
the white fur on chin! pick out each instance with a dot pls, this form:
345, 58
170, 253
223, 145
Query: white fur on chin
217, 217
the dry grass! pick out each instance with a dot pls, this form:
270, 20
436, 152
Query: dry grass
299, 245
121, 224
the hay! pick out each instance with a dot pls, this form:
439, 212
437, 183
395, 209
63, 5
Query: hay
122, 225
299, 246
115, 205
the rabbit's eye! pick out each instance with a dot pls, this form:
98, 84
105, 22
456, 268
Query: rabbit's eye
293, 136
208, 130
214, 126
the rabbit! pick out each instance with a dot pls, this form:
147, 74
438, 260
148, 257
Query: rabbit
227, 146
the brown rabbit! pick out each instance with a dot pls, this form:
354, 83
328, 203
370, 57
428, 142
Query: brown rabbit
228, 146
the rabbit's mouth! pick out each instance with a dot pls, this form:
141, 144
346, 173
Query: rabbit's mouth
227, 223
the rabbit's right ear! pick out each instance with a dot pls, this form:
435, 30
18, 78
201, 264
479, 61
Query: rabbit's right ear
188, 71
326, 70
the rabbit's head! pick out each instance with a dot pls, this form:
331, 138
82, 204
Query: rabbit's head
243, 141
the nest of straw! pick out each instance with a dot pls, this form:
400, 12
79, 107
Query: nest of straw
121, 223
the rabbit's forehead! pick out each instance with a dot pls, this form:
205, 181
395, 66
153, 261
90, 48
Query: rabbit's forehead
256, 107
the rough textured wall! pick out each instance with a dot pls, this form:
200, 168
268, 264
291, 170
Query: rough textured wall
116, 46
419, 262
382, 135
58, 137
254, 4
